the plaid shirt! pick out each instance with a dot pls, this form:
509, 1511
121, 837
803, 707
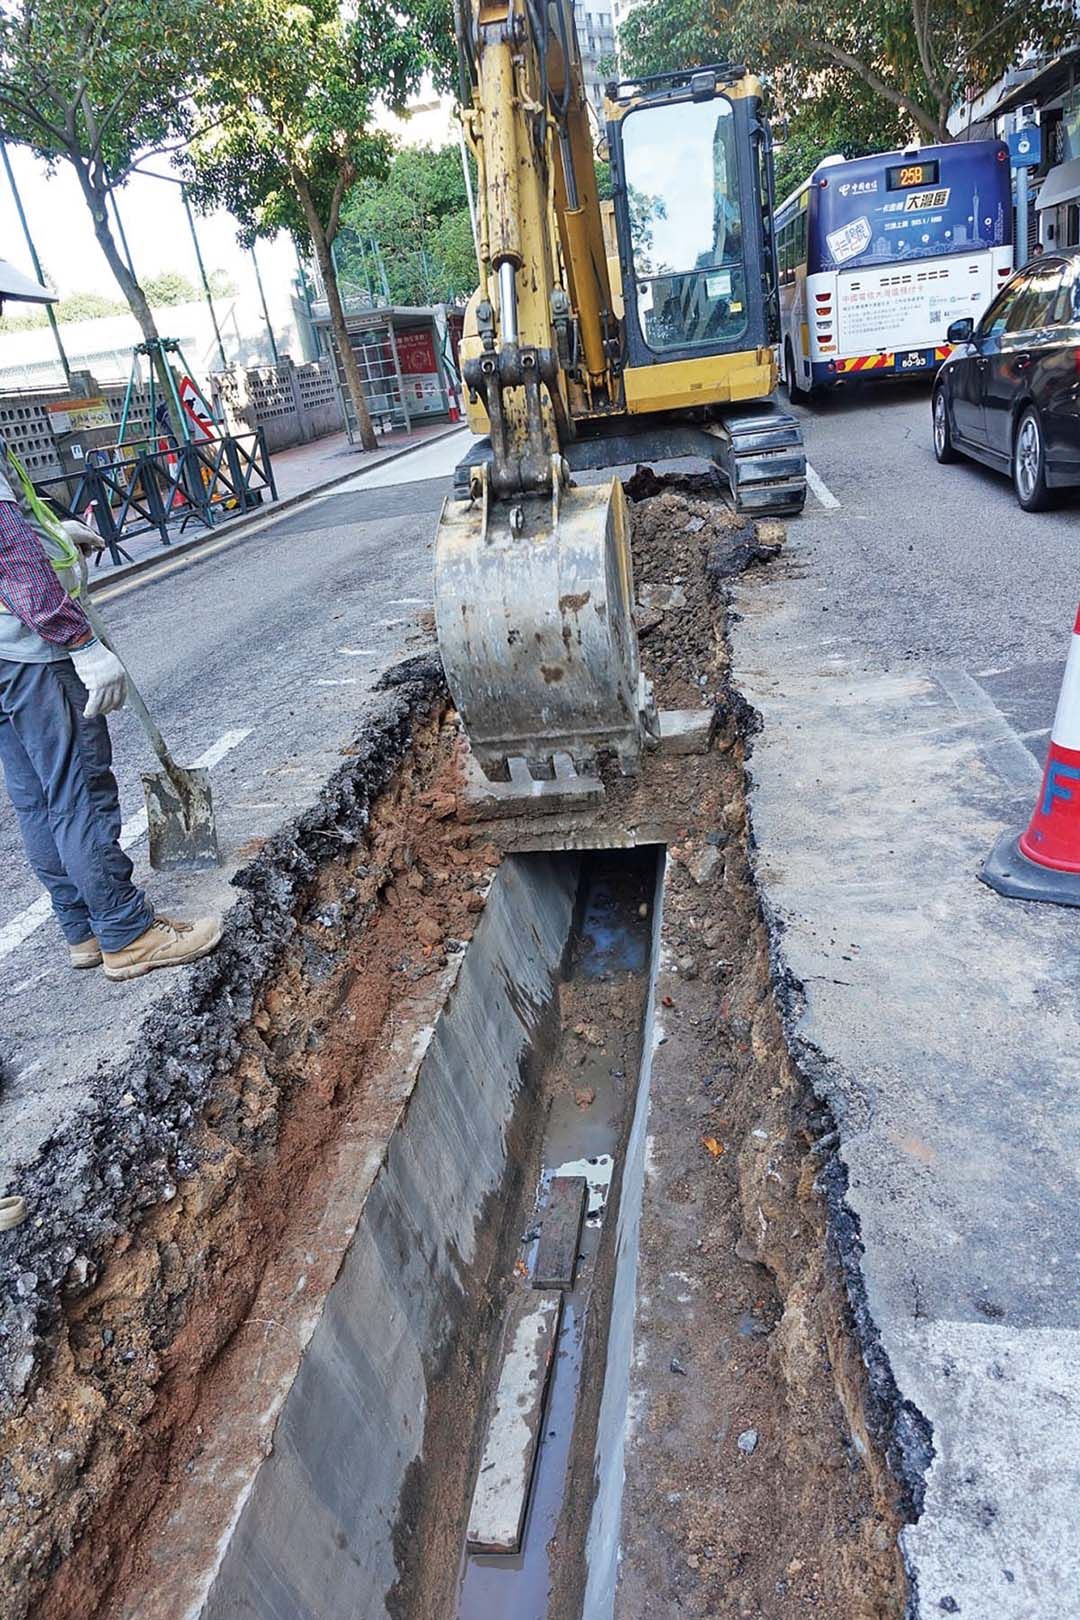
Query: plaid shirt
29, 585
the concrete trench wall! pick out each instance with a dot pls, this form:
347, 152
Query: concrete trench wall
315, 1538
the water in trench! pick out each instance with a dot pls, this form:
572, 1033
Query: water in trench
592, 1081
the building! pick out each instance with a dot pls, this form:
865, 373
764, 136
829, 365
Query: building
1044, 92
595, 21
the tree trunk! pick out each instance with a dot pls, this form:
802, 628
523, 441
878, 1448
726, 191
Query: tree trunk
96, 201
325, 259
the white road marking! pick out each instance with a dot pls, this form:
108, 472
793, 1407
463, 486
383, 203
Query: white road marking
349, 681
23, 924
820, 489
1017, 768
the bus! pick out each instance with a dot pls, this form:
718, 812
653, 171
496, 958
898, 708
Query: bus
878, 256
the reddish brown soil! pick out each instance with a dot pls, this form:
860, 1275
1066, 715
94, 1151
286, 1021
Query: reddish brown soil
146, 1359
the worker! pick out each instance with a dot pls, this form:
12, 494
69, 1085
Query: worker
57, 684
1037, 251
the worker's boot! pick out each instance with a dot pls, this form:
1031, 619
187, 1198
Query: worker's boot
166, 943
86, 955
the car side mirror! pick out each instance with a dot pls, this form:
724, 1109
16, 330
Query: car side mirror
960, 331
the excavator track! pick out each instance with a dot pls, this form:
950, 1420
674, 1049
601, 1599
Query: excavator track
759, 450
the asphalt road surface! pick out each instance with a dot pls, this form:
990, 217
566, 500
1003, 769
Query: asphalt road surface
905, 655
256, 650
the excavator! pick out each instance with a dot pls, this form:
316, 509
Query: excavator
602, 334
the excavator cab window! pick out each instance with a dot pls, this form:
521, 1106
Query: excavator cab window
686, 222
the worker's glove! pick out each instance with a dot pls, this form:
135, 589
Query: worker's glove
88, 540
102, 673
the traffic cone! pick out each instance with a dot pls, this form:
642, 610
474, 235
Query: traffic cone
1043, 863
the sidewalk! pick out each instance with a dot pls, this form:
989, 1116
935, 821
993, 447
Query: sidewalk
300, 471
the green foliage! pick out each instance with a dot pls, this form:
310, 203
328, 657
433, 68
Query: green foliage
891, 70
97, 82
170, 287
291, 101
661, 36
86, 306
832, 125
418, 214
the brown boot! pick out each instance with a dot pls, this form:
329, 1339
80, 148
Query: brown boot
167, 943
86, 955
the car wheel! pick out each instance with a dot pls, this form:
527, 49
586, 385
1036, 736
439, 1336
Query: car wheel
795, 392
943, 445
1029, 464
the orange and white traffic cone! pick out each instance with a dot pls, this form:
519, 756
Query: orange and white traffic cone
1043, 863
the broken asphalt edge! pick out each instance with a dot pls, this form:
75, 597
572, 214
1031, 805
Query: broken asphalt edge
124, 1151
903, 1433
235, 527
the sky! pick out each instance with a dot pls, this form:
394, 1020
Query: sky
154, 221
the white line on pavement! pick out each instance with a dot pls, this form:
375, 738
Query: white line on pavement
21, 926
820, 488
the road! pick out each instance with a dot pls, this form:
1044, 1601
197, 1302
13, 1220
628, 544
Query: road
905, 657
260, 647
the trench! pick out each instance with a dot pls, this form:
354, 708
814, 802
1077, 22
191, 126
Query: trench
276, 1399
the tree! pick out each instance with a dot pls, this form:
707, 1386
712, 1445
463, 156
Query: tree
840, 121
100, 84
169, 287
419, 216
290, 96
912, 61
86, 306
661, 36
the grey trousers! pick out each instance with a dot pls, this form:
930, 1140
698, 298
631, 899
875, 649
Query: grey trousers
58, 770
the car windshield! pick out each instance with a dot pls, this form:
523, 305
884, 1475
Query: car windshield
686, 222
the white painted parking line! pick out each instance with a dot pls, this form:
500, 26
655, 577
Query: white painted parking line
820, 489
23, 924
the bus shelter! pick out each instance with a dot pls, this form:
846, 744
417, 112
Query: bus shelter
400, 352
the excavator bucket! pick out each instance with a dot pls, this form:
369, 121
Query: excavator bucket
534, 601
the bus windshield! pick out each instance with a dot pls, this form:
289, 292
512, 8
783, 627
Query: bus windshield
889, 209
686, 225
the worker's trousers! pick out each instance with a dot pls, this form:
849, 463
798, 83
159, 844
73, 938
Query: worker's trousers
58, 768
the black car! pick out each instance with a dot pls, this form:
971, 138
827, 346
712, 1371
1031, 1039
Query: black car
1010, 395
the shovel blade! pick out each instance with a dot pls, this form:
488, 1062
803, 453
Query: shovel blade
183, 834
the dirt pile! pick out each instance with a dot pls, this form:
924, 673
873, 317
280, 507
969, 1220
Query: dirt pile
685, 547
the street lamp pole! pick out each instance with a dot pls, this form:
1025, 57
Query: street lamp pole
205, 278
50, 312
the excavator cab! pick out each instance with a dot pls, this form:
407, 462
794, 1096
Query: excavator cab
690, 162
574, 359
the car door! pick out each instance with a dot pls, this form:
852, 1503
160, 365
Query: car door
1055, 382
1012, 359
967, 372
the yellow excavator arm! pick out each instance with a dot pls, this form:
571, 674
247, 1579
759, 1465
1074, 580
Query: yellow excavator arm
533, 585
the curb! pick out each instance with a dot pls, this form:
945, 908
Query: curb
237, 525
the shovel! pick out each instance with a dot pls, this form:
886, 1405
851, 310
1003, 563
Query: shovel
179, 813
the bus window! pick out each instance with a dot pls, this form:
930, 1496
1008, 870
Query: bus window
800, 241
687, 255
993, 322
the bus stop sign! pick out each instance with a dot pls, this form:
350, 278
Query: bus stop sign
1025, 147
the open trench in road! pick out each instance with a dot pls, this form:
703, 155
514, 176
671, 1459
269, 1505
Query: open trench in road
254, 1360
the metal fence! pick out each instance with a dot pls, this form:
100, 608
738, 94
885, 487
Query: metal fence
125, 493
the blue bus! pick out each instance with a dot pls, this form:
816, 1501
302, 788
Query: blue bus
879, 255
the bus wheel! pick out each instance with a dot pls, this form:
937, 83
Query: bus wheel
943, 445
796, 393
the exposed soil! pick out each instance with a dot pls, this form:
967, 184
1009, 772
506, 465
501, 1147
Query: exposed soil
140, 1362
758, 1485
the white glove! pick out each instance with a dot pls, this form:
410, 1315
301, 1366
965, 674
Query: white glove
88, 540
103, 675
